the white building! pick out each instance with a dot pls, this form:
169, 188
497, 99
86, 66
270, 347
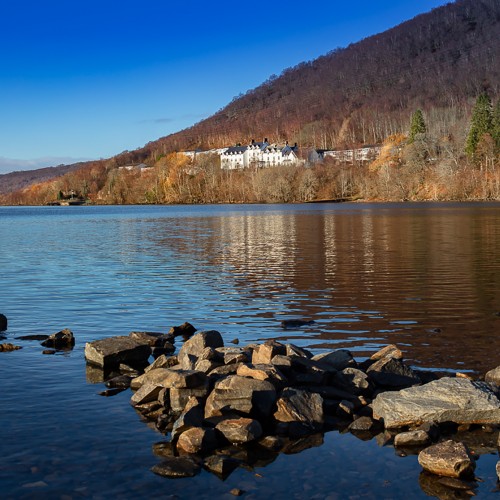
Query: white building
258, 154
368, 153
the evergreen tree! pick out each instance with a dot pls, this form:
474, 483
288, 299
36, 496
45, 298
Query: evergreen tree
481, 123
417, 125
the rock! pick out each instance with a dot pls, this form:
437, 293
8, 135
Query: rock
206, 365
498, 470
193, 348
448, 459
412, 438
363, 424
338, 360
300, 406
446, 488
393, 373
243, 395
197, 440
121, 382
9, 347
49, 351
493, 376
235, 341
146, 394
262, 372
353, 380
272, 443
221, 465
236, 492
293, 350
180, 397
186, 329
162, 361
389, 351
241, 430
444, 400
176, 467
112, 351
166, 377
60, 340
164, 449
265, 352
110, 392
288, 324
192, 416
3, 323
154, 339
33, 337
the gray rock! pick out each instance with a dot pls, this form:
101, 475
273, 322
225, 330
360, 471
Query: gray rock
241, 430
197, 440
3, 323
393, 373
112, 351
60, 340
176, 467
448, 459
299, 406
293, 350
363, 424
206, 365
493, 376
193, 348
412, 438
265, 352
445, 400
338, 360
244, 395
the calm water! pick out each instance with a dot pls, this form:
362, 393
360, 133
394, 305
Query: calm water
423, 276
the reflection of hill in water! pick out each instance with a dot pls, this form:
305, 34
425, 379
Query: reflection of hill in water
426, 278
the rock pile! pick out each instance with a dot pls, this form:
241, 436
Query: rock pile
218, 405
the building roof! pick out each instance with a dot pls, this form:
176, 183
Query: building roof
236, 149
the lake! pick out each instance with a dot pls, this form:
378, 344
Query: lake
424, 276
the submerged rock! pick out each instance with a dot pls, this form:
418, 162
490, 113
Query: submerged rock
112, 351
60, 340
9, 347
33, 337
445, 400
177, 467
449, 459
296, 323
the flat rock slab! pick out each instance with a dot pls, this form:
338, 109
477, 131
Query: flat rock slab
112, 351
445, 400
448, 459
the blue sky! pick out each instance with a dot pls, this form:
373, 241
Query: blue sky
84, 80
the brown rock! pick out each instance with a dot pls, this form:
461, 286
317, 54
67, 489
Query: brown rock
412, 438
186, 329
180, 397
493, 376
153, 339
165, 377
262, 372
221, 465
60, 340
146, 394
194, 347
338, 360
449, 459
176, 467
9, 347
162, 361
389, 351
110, 352
266, 352
192, 416
498, 470
197, 440
299, 406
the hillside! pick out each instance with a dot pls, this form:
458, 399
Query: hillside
439, 61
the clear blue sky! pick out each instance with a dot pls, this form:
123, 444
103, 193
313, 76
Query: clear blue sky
91, 79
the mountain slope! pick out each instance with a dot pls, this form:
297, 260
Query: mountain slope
361, 94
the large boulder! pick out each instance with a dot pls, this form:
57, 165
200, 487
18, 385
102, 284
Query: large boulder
456, 400
112, 351
493, 376
60, 340
3, 322
193, 348
243, 395
448, 459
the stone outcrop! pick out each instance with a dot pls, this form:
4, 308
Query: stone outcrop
60, 340
445, 400
110, 352
448, 458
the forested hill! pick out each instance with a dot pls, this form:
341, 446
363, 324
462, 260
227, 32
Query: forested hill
439, 61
